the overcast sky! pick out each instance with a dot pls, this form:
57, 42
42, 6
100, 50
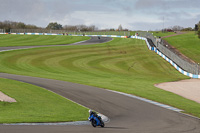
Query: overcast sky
131, 14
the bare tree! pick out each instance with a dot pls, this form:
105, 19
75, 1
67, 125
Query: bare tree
7, 25
70, 28
177, 28
80, 28
120, 27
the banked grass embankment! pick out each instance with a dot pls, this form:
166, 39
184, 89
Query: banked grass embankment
33, 40
162, 34
123, 65
188, 44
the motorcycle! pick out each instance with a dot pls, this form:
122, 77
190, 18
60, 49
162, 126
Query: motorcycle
96, 120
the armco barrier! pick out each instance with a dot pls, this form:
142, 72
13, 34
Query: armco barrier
176, 66
69, 35
136, 37
35, 34
143, 38
106, 36
168, 60
162, 46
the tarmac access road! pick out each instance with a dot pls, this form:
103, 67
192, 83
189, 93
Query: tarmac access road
126, 114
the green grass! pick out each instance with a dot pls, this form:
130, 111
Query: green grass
35, 104
124, 65
133, 33
188, 44
161, 34
32, 40
155, 33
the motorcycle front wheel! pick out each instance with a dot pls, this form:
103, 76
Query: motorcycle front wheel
93, 122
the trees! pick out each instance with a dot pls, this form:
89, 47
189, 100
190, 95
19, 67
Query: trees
54, 26
7, 25
198, 28
120, 27
70, 28
21, 25
177, 28
82, 28
187, 29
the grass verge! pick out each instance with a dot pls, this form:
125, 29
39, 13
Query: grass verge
35, 104
32, 40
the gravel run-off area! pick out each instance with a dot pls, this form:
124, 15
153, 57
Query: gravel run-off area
189, 88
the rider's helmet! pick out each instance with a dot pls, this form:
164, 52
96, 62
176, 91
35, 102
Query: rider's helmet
90, 111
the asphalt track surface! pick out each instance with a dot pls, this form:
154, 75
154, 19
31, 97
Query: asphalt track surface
127, 115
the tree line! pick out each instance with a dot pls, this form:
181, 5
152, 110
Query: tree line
7, 25
56, 26
179, 28
197, 28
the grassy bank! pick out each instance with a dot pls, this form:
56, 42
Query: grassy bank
188, 44
124, 65
161, 34
155, 33
32, 40
35, 104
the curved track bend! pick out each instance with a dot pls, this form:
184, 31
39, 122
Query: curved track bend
127, 115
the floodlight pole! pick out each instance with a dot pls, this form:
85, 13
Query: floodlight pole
163, 22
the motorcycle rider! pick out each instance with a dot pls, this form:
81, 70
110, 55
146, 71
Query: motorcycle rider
96, 117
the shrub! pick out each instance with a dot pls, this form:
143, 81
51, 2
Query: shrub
198, 33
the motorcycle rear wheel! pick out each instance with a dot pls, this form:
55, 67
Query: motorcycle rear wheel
102, 124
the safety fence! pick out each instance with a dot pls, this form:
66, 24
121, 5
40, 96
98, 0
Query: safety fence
69, 35
183, 63
2, 31
43, 31
35, 34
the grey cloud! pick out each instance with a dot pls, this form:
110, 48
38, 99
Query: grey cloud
148, 4
28, 11
146, 26
187, 22
167, 4
41, 12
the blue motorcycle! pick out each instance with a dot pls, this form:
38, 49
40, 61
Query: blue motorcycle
95, 119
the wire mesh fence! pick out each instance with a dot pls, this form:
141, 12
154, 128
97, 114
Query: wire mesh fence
121, 33
2, 31
183, 63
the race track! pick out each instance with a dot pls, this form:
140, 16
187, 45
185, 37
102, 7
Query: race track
127, 115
